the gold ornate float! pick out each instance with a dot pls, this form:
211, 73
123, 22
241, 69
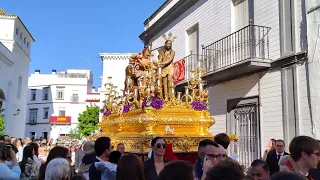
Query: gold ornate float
149, 105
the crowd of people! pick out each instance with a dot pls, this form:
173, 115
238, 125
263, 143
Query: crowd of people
95, 160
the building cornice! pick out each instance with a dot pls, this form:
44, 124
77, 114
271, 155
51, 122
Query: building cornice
178, 9
3, 14
115, 56
165, 4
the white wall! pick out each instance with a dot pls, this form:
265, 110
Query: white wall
214, 23
114, 65
71, 85
9, 77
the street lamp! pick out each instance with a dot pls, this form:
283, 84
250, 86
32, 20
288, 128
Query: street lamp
18, 112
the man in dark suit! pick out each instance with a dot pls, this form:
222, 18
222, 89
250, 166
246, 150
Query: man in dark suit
102, 148
273, 157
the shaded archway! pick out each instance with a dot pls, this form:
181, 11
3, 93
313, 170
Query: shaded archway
2, 98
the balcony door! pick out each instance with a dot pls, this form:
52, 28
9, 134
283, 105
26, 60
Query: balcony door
242, 13
192, 49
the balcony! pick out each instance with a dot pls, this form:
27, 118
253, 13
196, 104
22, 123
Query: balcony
241, 53
60, 120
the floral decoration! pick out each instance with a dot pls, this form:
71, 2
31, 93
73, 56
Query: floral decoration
157, 103
126, 108
107, 112
199, 106
144, 104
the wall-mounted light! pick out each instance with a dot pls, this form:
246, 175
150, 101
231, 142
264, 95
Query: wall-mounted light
18, 112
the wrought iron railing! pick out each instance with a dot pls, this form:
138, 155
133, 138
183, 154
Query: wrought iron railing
192, 62
250, 42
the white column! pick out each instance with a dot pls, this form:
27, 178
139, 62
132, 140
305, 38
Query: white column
313, 25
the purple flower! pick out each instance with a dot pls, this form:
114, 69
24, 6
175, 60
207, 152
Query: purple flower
198, 106
157, 103
144, 104
107, 112
100, 130
126, 108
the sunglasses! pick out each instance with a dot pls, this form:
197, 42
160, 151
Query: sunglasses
223, 155
163, 145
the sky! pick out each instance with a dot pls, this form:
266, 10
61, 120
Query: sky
70, 34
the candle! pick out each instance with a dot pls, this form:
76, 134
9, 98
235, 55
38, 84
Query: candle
186, 90
179, 95
109, 79
147, 74
199, 64
173, 91
140, 83
200, 86
136, 92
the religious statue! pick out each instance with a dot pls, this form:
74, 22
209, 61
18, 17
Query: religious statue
165, 59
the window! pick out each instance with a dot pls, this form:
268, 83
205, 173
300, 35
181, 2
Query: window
17, 31
45, 113
27, 44
33, 94
62, 112
33, 135
20, 36
287, 27
75, 98
45, 93
193, 47
60, 93
193, 40
19, 87
24, 40
241, 14
33, 115
45, 135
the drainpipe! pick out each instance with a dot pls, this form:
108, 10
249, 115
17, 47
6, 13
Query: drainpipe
313, 64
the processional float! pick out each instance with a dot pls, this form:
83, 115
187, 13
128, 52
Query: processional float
149, 105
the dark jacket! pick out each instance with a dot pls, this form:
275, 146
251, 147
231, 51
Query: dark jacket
272, 160
150, 172
315, 173
94, 174
198, 168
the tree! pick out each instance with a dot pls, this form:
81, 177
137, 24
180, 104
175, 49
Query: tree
75, 134
2, 122
88, 120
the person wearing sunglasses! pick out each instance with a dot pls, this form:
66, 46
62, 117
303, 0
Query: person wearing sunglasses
156, 163
208, 157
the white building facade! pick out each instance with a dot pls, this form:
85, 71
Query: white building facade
114, 66
55, 101
254, 54
15, 48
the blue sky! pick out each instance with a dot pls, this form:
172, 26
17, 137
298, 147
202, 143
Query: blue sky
70, 32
